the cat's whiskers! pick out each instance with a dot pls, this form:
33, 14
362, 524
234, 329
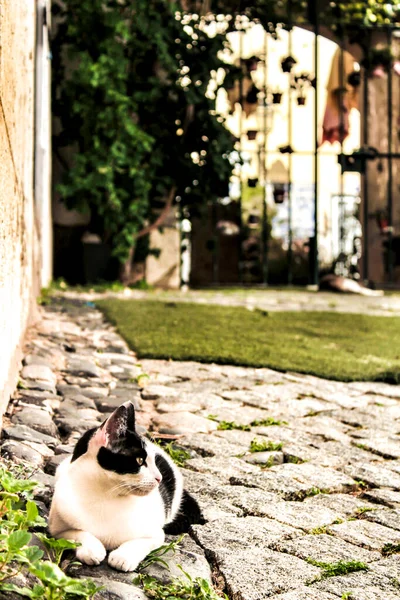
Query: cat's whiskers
124, 486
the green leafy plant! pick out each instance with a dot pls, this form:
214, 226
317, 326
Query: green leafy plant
18, 515
156, 556
185, 588
265, 446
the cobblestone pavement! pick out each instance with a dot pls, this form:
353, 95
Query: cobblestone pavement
323, 487
268, 299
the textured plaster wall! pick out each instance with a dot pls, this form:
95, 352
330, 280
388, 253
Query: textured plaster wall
19, 249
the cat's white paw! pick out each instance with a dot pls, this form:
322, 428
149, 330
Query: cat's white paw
92, 551
123, 560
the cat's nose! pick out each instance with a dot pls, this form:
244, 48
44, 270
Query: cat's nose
158, 478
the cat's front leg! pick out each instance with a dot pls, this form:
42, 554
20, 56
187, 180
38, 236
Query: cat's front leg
91, 551
129, 554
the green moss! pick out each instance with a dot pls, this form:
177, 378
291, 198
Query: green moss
184, 331
339, 568
264, 446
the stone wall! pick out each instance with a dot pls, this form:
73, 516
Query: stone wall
20, 251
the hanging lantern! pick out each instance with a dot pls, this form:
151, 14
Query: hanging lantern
277, 97
252, 134
288, 63
301, 100
252, 183
278, 193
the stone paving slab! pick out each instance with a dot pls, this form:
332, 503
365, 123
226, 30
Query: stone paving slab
326, 486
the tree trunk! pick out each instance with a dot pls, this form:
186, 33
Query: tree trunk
125, 272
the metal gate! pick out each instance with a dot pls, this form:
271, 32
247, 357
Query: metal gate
317, 130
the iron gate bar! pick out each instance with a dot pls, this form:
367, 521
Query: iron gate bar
265, 168
390, 164
341, 139
365, 224
290, 135
240, 236
313, 248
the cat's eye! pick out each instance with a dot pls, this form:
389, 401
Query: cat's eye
140, 461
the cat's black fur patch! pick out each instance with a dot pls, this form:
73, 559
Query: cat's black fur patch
83, 444
188, 514
168, 483
123, 454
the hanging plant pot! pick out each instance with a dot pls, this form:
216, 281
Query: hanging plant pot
252, 95
277, 97
251, 63
354, 78
252, 134
253, 221
382, 220
252, 183
301, 100
288, 63
278, 193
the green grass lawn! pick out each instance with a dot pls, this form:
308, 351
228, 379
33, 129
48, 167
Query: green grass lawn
345, 347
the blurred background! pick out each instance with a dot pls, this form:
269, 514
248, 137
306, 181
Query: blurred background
208, 143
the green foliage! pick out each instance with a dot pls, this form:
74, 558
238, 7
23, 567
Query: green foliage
131, 89
18, 514
264, 446
339, 568
185, 588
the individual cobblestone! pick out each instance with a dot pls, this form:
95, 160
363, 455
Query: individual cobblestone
334, 494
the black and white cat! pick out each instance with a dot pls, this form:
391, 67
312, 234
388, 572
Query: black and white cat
119, 492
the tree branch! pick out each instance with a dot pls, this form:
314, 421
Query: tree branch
162, 216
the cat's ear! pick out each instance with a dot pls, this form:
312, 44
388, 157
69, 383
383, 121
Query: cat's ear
116, 426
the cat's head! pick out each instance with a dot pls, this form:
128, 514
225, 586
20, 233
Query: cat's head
120, 454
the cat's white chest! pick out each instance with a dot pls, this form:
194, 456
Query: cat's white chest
117, 520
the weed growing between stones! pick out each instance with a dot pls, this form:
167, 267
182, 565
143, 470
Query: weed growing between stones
346, 596
264, 446
267, 422
19, 516
319, 530
339, 568
184, 587
389, 549
229, 425
178, 455
156, 556
295, 460
363, 509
